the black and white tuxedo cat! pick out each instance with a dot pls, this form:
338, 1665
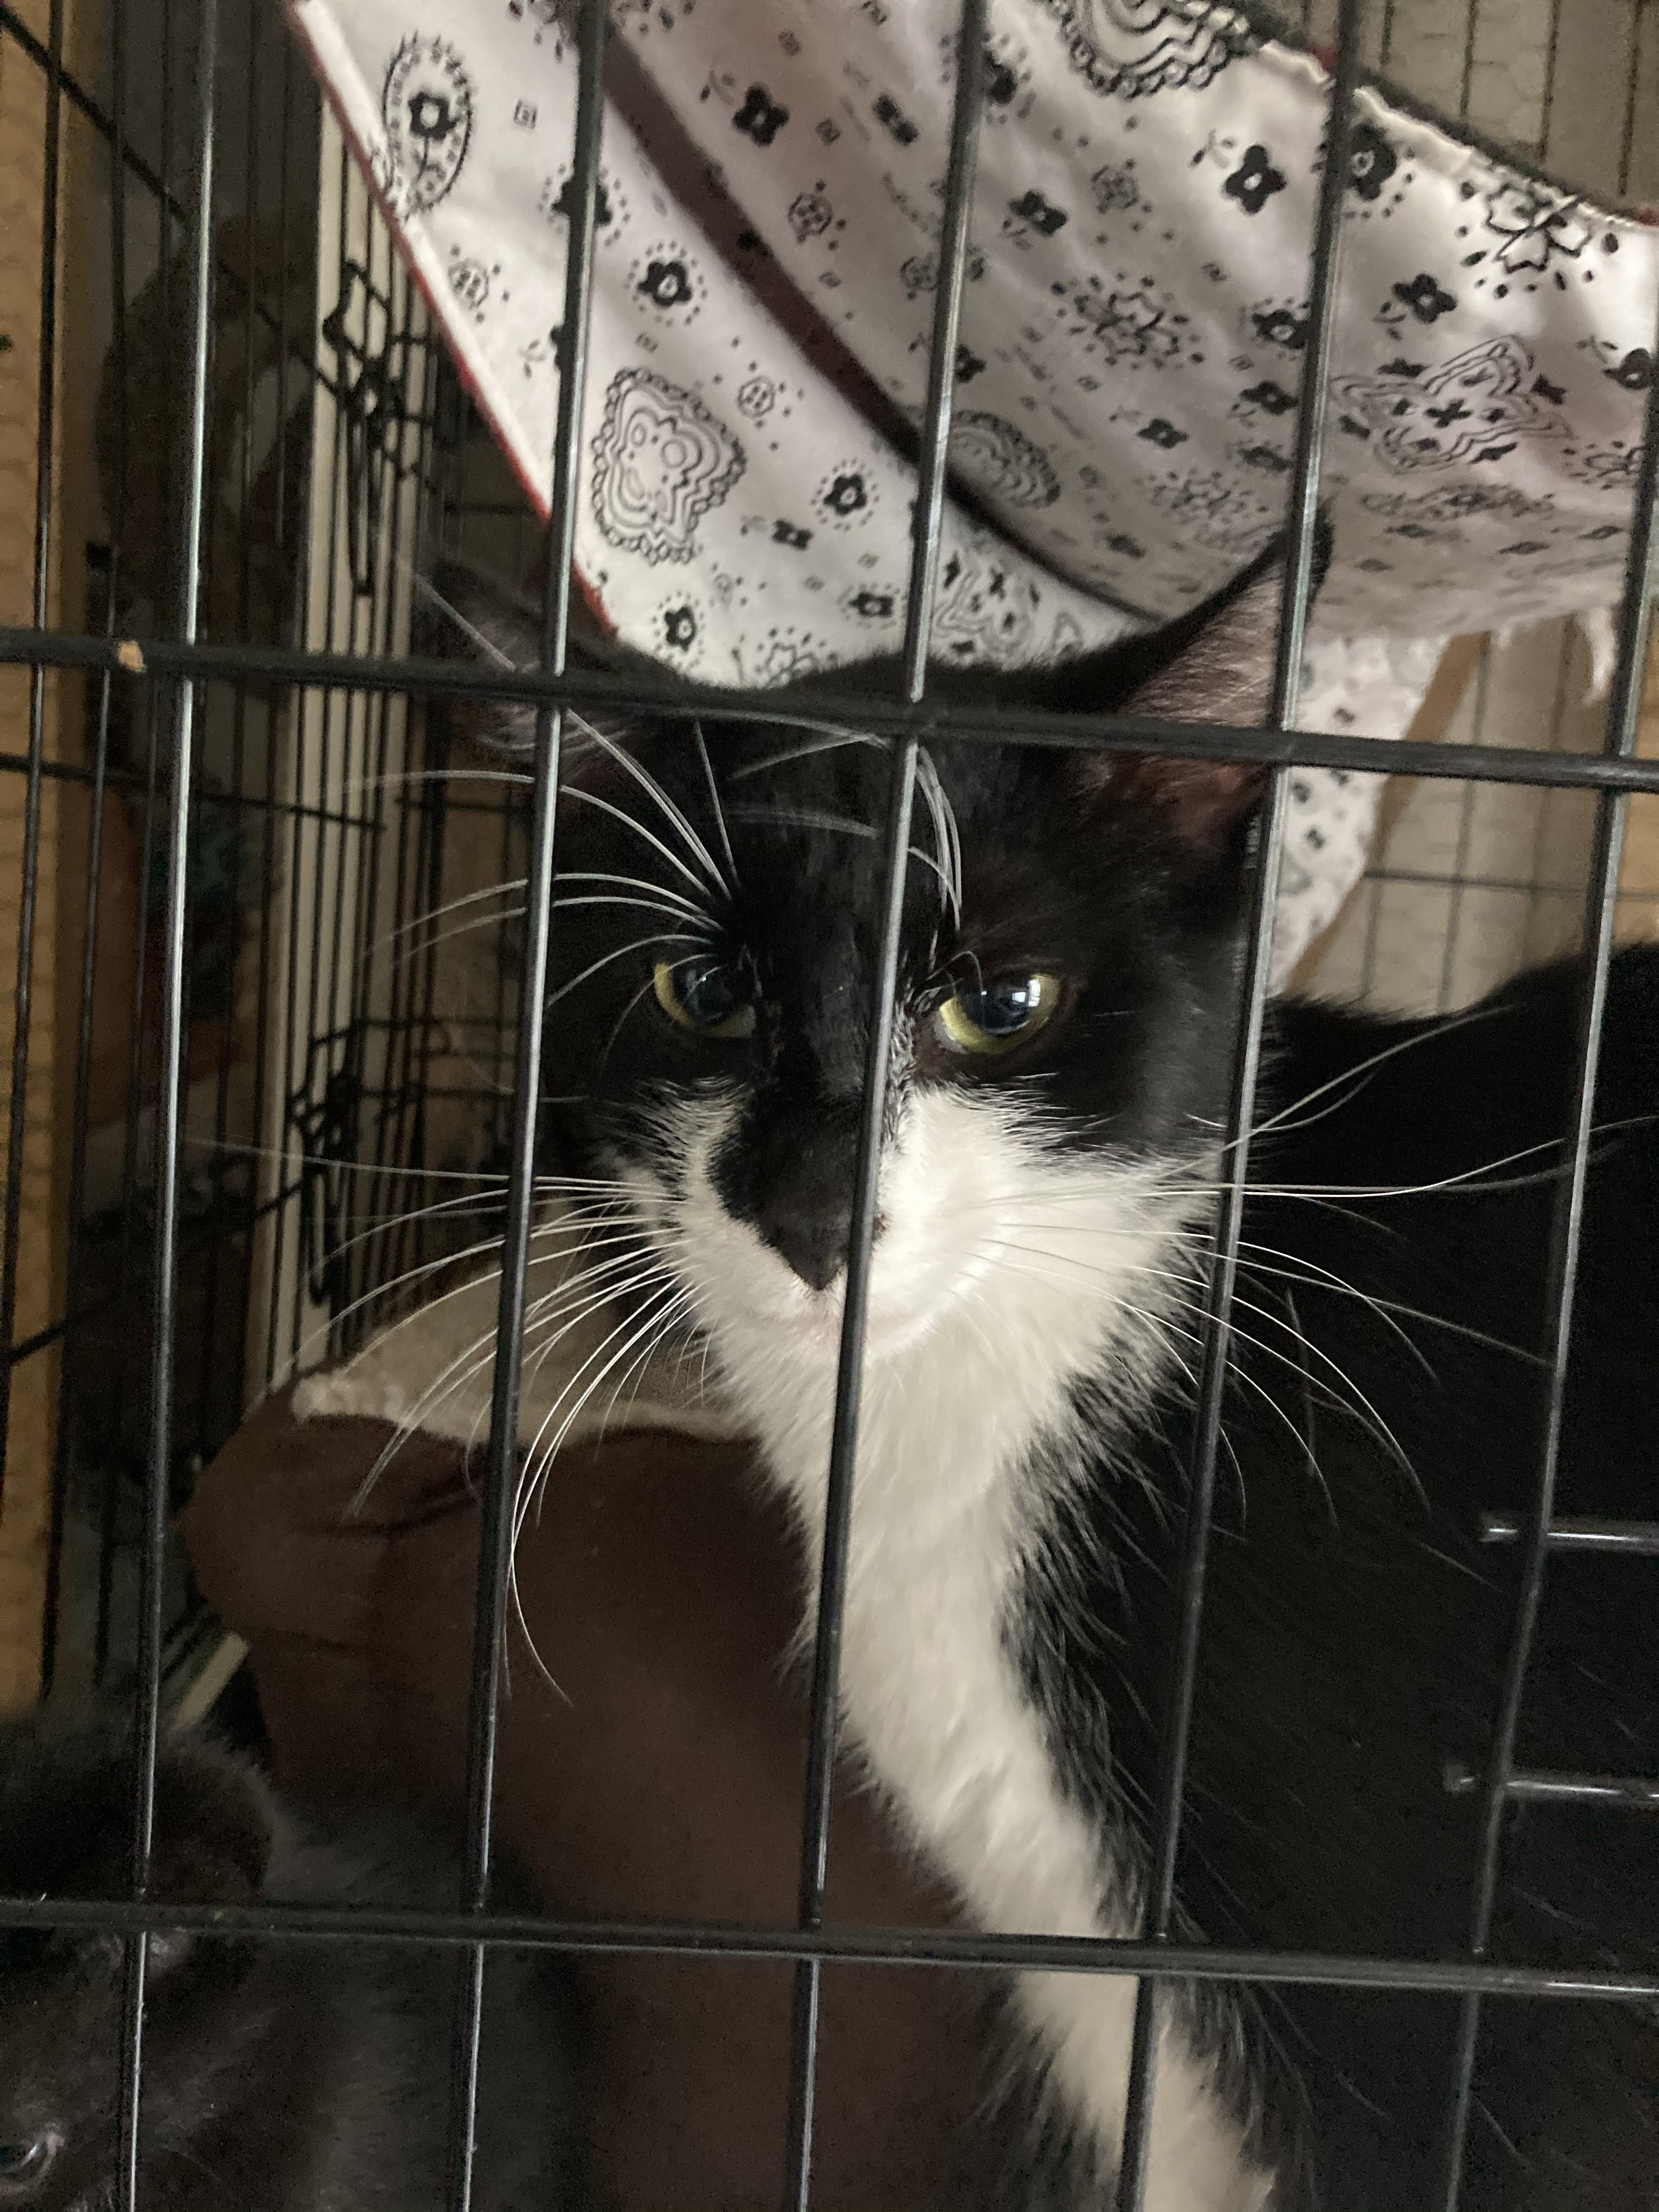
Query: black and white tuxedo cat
1067, 996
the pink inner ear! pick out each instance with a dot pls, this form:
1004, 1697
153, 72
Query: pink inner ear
1213, 681
1223, 675
1203, 799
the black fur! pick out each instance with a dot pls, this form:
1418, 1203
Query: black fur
277, 2076
1355, 1625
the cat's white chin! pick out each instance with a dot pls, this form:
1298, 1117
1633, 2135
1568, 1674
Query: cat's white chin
812, 1325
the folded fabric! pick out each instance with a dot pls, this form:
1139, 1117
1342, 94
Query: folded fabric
662, 1778
1133, 328
584, 1375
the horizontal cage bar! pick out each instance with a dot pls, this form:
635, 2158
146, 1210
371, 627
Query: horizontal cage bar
347, 671
1633, 1538
1527, 1786
878, 1946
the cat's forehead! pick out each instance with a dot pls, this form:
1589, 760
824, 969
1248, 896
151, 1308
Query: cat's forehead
856, 765
777, 831
807, 813
813, 801
818, 795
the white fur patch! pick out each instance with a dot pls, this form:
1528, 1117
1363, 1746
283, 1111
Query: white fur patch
1001, 1275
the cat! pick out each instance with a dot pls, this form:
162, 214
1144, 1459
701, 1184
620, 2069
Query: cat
277, 2076
1068, 992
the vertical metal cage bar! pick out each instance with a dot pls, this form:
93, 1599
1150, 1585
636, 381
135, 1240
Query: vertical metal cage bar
366, 1181
63, 1444
1235, 1151
29, 889
824, 1713
496, 1531
270, 942
165, 1283
129, 1207
237, 803
419, 857
234, 803
1624, 707
1552, 58
1639, 15
298, 1061
930, 462
1466, 85
927, 518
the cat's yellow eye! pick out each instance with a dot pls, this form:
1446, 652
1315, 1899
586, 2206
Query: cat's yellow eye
1001, 1015
709, 998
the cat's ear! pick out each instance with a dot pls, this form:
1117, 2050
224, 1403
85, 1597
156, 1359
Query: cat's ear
216, 1830
1215, 665
462, 614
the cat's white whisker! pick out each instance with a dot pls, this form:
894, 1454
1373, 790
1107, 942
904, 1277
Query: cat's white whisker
695, 909
470, 1361
672, 812
946, 836
1360, 1403
426, 589
1359, 1406
1356, 1074
503, 889
623, 898
1474, 1180
805, 817
479, 1354
931, 861
831, 738
358, 784
587, 1291
539, 1454
620, 952
725, 835
282, 1153
618, 1027
1322, 1279
635, 1373
653, 1328
438, 1209
418, 1273
603, 805
568, 1305
430, 944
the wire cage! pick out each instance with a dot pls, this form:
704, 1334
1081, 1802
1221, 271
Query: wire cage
237, 1037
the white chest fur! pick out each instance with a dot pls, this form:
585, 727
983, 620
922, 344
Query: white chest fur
932, 1696
1048, 1272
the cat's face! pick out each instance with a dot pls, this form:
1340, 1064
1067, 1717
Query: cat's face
60, 2047
64, 1792
60, 2052
1066, 988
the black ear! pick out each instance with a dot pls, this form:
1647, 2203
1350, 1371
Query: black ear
462, 614
66, 1820
216, 1825
216, 1831
1214, 664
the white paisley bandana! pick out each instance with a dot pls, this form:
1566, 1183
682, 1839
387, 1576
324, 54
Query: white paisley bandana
1133, 331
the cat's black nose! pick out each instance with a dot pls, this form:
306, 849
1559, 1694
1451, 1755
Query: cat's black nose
814, 1244
804, 1198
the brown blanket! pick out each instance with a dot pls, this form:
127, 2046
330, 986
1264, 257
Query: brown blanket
663, 1778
